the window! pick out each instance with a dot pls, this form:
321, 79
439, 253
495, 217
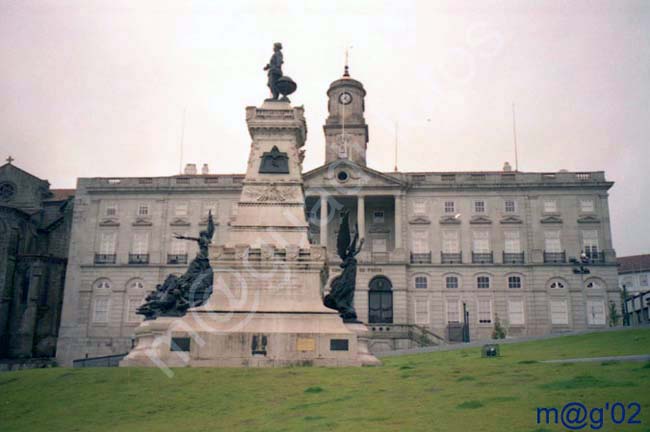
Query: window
514, 281
421, 282
137, 285
453, 311
378, 216
483, 282
559, 312
550, 206
131, 308
107, 243
516, 312
110, 209
557, 284
418, 178
419, 207
481, 241
419, 242
593, 285
140, 244
100, 309
590, 243
450, 242
179, 247
510, 206
451, 282
643, 278
422, 311
484, 311
512, 243
587, 206
479, 206
181, 209
448, 177
103, 284
596, 312
379, 245
143, 210
552, 241
450, 207
209, 207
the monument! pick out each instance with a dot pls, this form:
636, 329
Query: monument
265, 306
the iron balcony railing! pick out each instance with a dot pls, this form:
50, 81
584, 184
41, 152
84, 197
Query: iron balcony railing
554, 257
482, 257
138, 258
176, 258
421, 258
596, 257
513, 258
104, 258
451, 257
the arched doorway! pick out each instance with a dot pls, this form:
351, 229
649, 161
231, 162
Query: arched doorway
380, 301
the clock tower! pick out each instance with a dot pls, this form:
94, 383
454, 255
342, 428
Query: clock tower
346, 131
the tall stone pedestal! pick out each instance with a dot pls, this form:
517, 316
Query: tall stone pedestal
266, 306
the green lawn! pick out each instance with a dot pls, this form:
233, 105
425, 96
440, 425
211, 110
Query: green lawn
446, 391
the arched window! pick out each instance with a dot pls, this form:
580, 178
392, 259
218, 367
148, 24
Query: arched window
451, 282
557, 285
514, 281
421, 282
102, 284
594, 284
136, 284
380, 301
482, 282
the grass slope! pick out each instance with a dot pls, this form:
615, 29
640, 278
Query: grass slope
444, 391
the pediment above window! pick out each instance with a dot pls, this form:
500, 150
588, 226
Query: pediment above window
449, 220
109, 222
480, 220
551, 220
419, 220
588, 219
179, 222
204, 222
142, 222
511, 220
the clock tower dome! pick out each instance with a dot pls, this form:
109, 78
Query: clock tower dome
346, 131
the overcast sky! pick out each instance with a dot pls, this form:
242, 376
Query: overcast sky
98, 88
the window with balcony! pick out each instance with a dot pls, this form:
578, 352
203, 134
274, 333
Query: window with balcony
209, 207
510, 206
516, 312
421, 282
512, 253
139, 248
483, 282
484, 311
590, 245
479, 206
107, 243
178, 251
420, 252
481, 252
553, 252
450, 207
451, 247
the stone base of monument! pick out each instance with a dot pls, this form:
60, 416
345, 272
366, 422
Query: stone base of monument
257, 340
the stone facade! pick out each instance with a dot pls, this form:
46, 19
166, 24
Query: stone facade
497, 243
634, 273
34, 233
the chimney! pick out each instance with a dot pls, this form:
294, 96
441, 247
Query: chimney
507, 167
190, 169
205, 170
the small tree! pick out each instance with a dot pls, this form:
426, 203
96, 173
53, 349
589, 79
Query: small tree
499, 331
614, 316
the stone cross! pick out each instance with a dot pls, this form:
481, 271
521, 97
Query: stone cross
10, 159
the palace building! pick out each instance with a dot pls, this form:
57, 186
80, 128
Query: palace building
443, 252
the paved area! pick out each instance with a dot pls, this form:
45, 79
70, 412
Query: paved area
458, 346
629, 358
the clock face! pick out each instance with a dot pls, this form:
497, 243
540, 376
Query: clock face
345, 98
